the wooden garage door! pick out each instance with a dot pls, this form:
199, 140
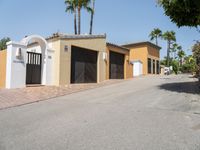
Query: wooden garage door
116, 65
83, 65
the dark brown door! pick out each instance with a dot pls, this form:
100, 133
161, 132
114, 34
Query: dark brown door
83, 65
149, 65
158, 66
33, 68
116, 65
154, 67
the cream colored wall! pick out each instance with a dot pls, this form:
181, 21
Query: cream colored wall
63, 58
55, 45
162, 71
128, 68
140, 53
3, 61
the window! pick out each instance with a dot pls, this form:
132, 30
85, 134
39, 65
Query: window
154, 67
158, 66
149, 65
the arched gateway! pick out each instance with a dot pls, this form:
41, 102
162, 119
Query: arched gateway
25, 67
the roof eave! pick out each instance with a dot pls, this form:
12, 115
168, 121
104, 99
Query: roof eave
142, 43
118, 46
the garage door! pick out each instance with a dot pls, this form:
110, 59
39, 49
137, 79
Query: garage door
116, 65
83, 65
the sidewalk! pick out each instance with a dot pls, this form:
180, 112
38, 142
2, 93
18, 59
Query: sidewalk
17, 97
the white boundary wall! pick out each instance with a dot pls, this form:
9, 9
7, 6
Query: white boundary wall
16, 66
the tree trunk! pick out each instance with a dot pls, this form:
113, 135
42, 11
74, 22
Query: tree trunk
181, 61
92, 17
79, 20
75, 23
157, 41
168, 50
91, 23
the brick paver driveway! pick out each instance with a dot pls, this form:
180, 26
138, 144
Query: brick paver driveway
17, 97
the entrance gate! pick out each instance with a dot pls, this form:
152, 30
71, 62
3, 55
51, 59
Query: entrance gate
33, 68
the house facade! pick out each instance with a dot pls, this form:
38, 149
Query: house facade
61, 60
77, 59
146, 55
57, 60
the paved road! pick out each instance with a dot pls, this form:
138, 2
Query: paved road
148, 113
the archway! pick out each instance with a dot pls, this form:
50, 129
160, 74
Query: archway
35, 62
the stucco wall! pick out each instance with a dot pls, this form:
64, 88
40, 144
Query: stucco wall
128, 68
55, 45
35, 48
153, 52
3, 56
140, 53
62, 64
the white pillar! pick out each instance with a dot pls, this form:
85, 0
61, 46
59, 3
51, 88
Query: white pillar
16, 66
49, 71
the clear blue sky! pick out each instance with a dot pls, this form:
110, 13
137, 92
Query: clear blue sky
123, 21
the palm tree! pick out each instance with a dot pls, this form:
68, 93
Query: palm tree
155, 34
92, 16
181, 55
82, 4
169, 36
71, 7
174, 49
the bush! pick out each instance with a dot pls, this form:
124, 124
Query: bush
175, 66
187, 68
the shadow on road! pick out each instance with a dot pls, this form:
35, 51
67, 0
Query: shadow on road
182, 87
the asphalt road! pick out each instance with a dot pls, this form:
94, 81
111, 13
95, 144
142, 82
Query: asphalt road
147, 113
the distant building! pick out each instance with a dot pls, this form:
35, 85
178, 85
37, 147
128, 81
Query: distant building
145, 56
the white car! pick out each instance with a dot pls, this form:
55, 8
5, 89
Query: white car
166, 70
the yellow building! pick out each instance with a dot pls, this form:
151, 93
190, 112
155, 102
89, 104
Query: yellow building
76, 58
148, 54
118, 65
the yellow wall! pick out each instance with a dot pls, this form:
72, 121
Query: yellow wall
62, 63
128, 68
3, 59
140, 53
153, 52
